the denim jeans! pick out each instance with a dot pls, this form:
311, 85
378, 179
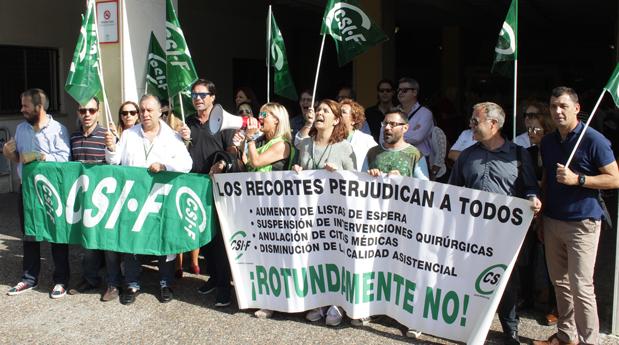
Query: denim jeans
112, 267
133, 269
507, 306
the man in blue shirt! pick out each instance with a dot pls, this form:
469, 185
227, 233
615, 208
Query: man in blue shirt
39, 138
496, 165
572, 216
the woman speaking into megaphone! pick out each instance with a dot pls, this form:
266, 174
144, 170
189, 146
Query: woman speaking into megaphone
273, 150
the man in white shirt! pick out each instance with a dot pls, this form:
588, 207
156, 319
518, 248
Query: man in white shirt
420, 121
153, 145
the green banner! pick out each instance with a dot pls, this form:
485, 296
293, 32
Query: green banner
613, 85
122, 209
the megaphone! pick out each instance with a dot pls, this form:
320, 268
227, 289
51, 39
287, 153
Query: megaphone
219, 119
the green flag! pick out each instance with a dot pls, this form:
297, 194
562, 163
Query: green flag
156, 82
284, 86
180, 70
352, 30
613, 85
507, 45
83, 81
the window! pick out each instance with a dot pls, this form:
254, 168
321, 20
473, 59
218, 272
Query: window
23, 68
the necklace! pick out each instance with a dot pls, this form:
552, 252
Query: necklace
316, 162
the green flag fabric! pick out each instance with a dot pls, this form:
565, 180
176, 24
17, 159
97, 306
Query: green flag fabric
156, 82
181, 72
284, 85
117, 208
613, 86
351, 29
83, 81
507, 45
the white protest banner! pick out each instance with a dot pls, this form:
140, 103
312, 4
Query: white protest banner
432, 256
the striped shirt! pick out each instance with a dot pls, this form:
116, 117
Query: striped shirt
88, 149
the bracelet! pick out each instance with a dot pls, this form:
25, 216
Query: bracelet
250, 140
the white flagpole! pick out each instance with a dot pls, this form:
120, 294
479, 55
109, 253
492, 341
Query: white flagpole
515, 97
180, 100
106, 106
322, 45
269, 55
582, 134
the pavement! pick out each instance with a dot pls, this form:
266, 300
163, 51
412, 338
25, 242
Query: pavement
191, 318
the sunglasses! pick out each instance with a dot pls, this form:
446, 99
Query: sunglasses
534, 130
385, 90
128, 112
196, 95
405, 89
392, 124
92, 111
244, 112
165, 113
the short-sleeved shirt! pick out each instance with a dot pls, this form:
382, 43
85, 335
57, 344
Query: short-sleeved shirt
89, 148
464, 141
404, 160
574, 203
205, 144
51, 140
496, 171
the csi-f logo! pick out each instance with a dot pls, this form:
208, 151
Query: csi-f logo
507, 40
488, 280
191, 211
347, 18
48, 197
239, 243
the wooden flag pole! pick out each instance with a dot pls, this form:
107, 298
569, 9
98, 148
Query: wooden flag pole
582, 134
322, 46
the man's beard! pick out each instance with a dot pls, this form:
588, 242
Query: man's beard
33, 118
392, 139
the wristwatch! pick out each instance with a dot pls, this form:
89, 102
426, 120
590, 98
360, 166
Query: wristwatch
581, 180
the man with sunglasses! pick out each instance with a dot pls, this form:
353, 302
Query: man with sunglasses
374, 115
497, 165
420, 120
204, 147
88, 146
38, 138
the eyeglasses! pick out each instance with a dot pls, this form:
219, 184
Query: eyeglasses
405, 89
392, 124
92, 111
128, 112
385, 90
245, 112
535, 130
262, 114
476, 122
195, 95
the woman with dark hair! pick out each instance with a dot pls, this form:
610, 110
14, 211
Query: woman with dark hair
128, 116
326, 147
246, 109
532, 259
245, 94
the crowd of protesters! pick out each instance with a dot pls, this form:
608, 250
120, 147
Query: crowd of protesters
398, 136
